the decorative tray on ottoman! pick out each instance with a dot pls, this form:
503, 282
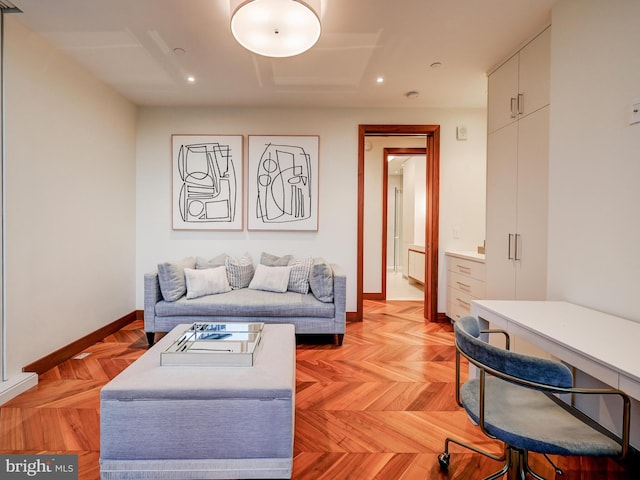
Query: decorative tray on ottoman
215, 344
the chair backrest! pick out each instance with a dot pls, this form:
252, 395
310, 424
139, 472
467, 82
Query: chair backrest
524, 367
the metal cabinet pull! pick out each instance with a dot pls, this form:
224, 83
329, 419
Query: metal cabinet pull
509, 257
513, 107
516, 257
520, 104
463, 303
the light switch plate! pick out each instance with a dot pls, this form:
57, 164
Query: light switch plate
634, 112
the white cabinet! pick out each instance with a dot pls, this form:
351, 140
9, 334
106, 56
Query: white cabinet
415, 269
521, 85
517, 178
465, 282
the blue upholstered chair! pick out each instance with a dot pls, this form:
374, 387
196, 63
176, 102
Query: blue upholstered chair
513, 399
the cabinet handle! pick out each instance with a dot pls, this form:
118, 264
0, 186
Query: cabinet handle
463, 268
520, 103
515, 257
513, 107
509, 257
463, 303
464, 286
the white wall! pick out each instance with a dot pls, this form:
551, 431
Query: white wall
594, 168
70, 180
462, 182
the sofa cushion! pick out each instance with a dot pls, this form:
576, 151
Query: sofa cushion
274, 261
300, 271
299, 278
270, 279
248, 303
219, 261
209, 281
171, 278
239, 271
321, 280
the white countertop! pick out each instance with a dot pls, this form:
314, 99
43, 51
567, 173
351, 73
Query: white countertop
469, 255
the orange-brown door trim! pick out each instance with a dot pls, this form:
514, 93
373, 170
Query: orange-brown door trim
432, 133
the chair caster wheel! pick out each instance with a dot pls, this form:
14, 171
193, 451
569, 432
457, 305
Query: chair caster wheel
443, 460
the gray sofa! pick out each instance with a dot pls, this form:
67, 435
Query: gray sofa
310, 314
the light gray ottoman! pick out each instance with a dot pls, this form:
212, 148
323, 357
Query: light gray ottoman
176, 422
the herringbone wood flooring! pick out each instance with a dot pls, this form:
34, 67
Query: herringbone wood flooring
379, 407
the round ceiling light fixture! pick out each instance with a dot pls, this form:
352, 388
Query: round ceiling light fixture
276, 28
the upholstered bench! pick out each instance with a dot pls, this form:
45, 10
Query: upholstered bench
204, 422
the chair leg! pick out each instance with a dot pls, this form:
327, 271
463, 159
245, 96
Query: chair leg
444, 457
529, 470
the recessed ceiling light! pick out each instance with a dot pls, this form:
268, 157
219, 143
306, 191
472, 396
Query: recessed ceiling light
179, 51
191, 79
412, 94
436, 64
380, 80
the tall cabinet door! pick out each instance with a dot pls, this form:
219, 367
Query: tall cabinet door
502, 96
534, 77
502, 176
531, 218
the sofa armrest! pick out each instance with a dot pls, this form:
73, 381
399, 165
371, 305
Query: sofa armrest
152, 295
340, 294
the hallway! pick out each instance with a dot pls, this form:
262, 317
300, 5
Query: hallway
400, 288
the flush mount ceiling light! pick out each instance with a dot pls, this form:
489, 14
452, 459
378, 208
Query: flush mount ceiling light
276, 28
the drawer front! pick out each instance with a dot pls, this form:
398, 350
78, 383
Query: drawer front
459, 304
466, 267
469, 285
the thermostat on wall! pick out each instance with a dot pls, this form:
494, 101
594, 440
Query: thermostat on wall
461, 133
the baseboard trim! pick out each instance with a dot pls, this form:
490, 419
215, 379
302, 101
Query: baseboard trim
65, 353
373, 296
16, 385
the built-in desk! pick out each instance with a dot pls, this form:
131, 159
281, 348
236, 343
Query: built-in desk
603, 346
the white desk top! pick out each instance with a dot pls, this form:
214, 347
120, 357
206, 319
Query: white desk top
606, 339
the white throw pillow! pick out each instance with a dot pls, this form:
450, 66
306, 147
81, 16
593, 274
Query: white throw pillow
270, 279
209, 281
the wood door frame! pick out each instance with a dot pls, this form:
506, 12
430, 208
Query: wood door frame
399, 151
432, 133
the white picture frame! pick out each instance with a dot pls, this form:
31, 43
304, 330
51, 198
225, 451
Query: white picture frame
282, 182
207, 182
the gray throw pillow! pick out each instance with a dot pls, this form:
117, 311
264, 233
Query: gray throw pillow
219, 261
171, 278
274, 261
299, 277
240, 271
321, 280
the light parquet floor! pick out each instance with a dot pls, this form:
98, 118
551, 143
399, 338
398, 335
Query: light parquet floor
379, 407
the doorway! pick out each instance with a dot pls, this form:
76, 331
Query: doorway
403, 219
431, 134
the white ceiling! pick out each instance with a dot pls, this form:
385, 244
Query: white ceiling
129, 44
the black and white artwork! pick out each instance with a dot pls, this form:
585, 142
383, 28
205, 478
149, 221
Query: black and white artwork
207, 182
283, 182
